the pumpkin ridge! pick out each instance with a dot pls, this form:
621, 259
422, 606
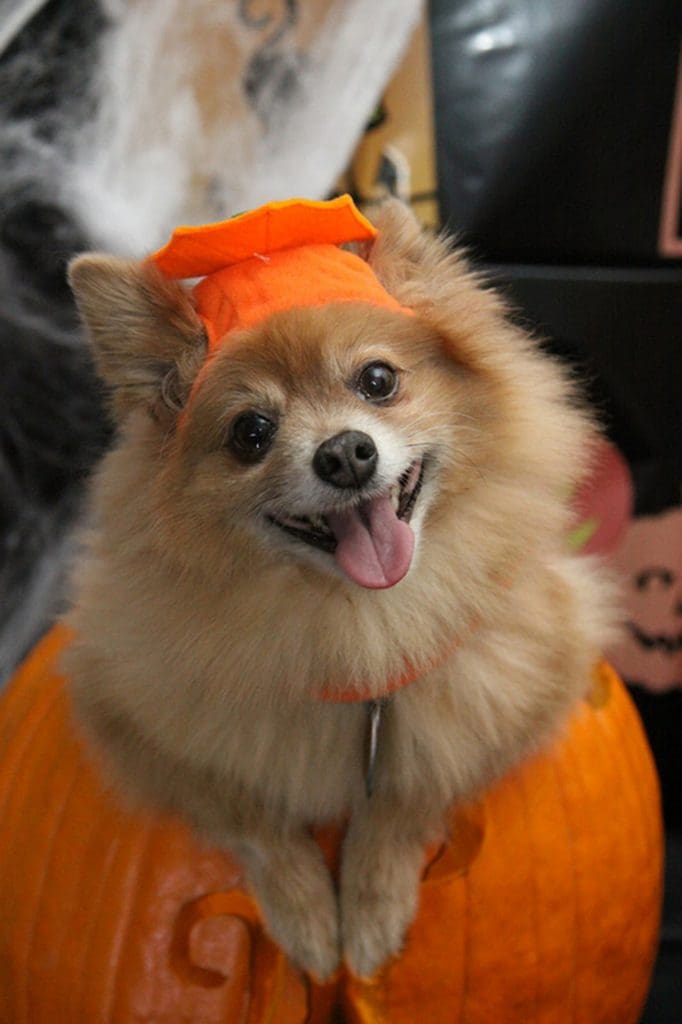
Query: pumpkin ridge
70, 911
34, 716
625, 860
555, 765
631, 726
466, 971
140, 845
547, 816
97, 894
534, 864
42, 882
633, 792
19, 783
582, 762
95, 905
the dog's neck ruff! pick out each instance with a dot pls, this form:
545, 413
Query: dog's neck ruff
376, 702
375, 705
410, 674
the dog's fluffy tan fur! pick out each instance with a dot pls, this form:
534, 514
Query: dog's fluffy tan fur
203, 635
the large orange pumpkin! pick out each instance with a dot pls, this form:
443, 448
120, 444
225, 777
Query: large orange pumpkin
543, 908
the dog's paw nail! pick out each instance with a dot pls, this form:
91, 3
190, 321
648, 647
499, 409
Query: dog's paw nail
374, 931
321, 973
366, 964
311, 942
371, 949
320, 960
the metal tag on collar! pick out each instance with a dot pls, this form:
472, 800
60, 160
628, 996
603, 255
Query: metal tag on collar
375, 710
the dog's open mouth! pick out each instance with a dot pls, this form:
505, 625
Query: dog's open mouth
372, 542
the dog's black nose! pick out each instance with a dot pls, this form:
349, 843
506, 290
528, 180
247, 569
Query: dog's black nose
348, 459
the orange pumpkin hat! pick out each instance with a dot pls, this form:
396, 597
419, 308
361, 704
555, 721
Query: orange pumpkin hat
279, 256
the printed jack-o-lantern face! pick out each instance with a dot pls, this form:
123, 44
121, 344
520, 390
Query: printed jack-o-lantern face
650, 561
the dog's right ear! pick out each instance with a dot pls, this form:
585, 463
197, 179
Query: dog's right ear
148, 341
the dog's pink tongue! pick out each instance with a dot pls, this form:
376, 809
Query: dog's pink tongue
373, 547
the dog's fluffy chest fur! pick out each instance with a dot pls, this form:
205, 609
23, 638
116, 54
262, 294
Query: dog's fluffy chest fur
239, 681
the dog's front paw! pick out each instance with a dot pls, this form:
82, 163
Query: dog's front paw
309, 936
377, 908
297, 900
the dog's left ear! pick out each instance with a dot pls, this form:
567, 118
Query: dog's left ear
405, 257
147, 339
430, 275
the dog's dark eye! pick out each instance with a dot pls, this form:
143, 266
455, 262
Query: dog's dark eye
377, 381
251, 435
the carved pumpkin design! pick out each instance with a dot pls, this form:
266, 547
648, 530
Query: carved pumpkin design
542, 907
650, 563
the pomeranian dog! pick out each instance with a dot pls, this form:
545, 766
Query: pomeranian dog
342, 500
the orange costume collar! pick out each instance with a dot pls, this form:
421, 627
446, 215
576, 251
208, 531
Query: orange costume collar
410, 674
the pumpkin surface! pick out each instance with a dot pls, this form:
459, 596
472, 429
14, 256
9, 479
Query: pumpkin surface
543, 907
